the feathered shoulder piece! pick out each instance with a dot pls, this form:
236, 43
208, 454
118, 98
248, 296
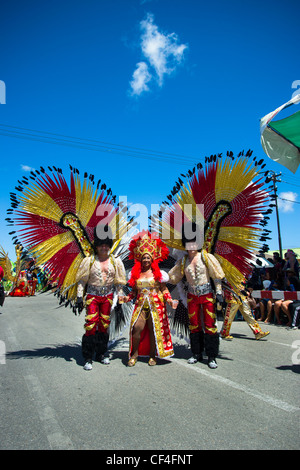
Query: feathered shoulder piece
226, 197
57, 221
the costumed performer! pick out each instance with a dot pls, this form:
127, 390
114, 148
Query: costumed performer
149, 328
2, 294
227, 197
239, 301
21, 288
200, 267
58, 221
101, 274
32, 277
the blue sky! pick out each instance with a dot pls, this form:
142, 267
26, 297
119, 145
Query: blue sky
181, 77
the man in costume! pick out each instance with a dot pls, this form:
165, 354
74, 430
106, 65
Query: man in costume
58, 223
227, 195
101, 274
199, 267
239, 302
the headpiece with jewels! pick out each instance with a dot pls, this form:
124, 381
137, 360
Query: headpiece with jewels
146, 243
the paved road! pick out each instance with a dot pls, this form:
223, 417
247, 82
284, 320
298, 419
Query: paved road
49, 402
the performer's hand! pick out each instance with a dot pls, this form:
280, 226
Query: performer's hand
175, 304
125, 299
79, 304
219, 299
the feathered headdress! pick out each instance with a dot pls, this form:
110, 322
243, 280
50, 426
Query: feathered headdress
58, 221
147, 243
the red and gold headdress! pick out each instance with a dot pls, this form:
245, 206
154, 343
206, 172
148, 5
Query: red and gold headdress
147, 243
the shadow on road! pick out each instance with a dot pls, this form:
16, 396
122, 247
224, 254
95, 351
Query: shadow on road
69, 352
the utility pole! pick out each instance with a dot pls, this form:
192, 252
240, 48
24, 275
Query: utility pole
274, 179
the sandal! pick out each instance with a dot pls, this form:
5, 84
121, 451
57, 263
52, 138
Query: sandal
132, 362
152, 362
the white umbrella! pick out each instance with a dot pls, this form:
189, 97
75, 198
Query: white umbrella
281, 139
261, 262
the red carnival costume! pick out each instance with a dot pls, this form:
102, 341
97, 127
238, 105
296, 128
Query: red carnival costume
59, 223
235, 303
223, 198
151, 297
21, 289
100, 279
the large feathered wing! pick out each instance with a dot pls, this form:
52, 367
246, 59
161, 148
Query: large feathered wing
227, 197
56, 221
6, 265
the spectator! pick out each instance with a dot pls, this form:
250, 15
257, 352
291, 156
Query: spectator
266, 305
292, 280
283, 305
278, 263
292, 262
292, 284
294, 308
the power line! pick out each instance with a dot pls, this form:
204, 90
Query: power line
290, 200
92, 144
292, 184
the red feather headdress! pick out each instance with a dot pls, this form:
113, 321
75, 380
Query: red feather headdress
147, 243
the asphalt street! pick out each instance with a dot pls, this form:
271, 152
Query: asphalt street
48, 402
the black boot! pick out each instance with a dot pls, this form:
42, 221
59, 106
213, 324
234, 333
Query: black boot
101, 341
197, 347
211, 343
88, 348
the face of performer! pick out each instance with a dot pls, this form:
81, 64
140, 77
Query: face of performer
192, 247
146, 262
103, 250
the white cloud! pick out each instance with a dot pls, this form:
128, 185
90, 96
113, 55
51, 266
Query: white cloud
163, 52
140, 78
27, 168
286, 200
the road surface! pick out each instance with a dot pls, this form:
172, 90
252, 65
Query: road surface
48, 401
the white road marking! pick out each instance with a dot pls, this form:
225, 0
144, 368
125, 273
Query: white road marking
254, 393
57, 438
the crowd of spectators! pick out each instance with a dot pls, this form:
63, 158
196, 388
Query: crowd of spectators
282, 276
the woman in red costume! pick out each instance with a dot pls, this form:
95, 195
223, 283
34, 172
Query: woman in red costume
21, 289
149, 328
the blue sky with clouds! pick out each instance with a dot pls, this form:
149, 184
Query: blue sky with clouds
146, 89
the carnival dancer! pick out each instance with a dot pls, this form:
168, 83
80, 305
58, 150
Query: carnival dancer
100, 274
2, 294
225, 196
149, 328
239, 301
32, 278
21, 288
59, 223
199, 267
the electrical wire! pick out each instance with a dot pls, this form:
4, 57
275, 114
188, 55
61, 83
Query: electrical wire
92, 144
